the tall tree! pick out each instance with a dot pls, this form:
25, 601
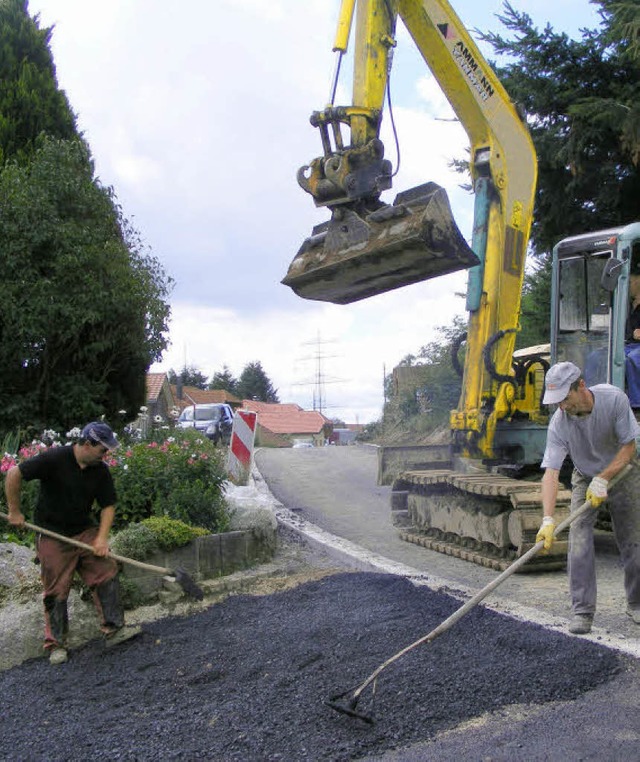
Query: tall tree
582, 101
254, 384
30, 101
82, 309
190, 375
224, 379
577, 95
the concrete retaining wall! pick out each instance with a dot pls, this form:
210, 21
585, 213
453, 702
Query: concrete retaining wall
213, 555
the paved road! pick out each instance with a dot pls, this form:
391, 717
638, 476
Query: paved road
335, 489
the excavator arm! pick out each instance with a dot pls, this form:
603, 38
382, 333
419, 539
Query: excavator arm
368, 247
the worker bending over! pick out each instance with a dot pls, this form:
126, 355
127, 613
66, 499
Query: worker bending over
596, 428
71, 479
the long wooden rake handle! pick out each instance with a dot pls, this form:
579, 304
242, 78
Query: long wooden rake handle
86, 546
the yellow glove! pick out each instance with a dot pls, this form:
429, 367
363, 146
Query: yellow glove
545, 533
597, 491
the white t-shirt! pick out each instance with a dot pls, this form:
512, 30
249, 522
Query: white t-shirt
591, 440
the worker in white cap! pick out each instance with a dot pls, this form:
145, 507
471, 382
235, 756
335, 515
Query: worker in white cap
596, 428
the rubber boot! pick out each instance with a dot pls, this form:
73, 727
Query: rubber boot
108, 595
57, 619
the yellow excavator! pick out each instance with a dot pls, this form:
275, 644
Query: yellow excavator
469, 498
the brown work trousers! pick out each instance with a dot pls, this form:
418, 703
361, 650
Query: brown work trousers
58, 563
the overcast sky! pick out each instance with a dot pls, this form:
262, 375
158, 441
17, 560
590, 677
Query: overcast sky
197, 115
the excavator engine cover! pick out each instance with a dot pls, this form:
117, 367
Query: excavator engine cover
352, 257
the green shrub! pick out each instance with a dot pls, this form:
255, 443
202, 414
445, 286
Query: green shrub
171, 533
139, 541
131, 595
181, 477
135, 541
195, 503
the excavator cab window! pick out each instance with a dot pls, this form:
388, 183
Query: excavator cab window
584, 319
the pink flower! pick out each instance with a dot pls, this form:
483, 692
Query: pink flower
8, 461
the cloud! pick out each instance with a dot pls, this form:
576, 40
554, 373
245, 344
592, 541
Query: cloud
198, 117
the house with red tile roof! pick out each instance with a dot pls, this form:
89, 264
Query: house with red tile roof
281, 425
159, 399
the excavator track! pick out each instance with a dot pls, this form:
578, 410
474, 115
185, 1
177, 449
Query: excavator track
485, 518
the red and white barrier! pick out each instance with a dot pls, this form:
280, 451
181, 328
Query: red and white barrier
243, 436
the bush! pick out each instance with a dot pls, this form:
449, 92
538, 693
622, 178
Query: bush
139, 541
171, 533
135, 541
181, 477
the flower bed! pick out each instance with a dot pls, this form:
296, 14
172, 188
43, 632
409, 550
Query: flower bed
180, 476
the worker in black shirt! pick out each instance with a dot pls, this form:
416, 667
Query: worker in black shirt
72, 478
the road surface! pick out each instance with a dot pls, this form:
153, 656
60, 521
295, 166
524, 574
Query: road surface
335, 488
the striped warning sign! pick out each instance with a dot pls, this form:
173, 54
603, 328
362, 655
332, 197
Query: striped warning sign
241, 449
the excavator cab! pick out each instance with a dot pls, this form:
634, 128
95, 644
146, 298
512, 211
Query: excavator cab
592, 279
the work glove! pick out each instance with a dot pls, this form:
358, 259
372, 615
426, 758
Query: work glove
545, 533
597, 491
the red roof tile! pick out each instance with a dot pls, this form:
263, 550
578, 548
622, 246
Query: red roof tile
191, 395
286, 418
154, 385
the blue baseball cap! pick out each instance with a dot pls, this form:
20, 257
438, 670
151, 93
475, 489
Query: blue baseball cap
98, 432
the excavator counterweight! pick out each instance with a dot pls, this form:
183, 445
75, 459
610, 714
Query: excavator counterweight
356, 255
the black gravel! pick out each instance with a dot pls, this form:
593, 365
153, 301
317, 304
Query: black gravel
247, 678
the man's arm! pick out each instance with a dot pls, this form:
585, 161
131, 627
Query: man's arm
12, 487
101, 543
549, 492
623, 457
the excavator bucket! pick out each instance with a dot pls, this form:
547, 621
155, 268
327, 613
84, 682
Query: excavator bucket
352, 257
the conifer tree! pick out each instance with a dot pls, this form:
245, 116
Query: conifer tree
30, 101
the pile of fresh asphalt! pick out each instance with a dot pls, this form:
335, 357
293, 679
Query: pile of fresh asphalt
246, 679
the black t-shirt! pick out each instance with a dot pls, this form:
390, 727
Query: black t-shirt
68, 492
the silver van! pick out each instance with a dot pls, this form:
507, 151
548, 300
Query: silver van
214, 420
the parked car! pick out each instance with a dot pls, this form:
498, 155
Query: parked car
214, 420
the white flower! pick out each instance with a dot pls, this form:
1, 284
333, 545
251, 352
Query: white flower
122, 412
74, 433
171, 440
144, 409
158, 419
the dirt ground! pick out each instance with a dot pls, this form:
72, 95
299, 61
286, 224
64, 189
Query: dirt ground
246, 676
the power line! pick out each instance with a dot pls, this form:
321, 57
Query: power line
320, 380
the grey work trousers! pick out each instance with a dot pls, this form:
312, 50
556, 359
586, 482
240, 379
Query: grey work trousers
623, 506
